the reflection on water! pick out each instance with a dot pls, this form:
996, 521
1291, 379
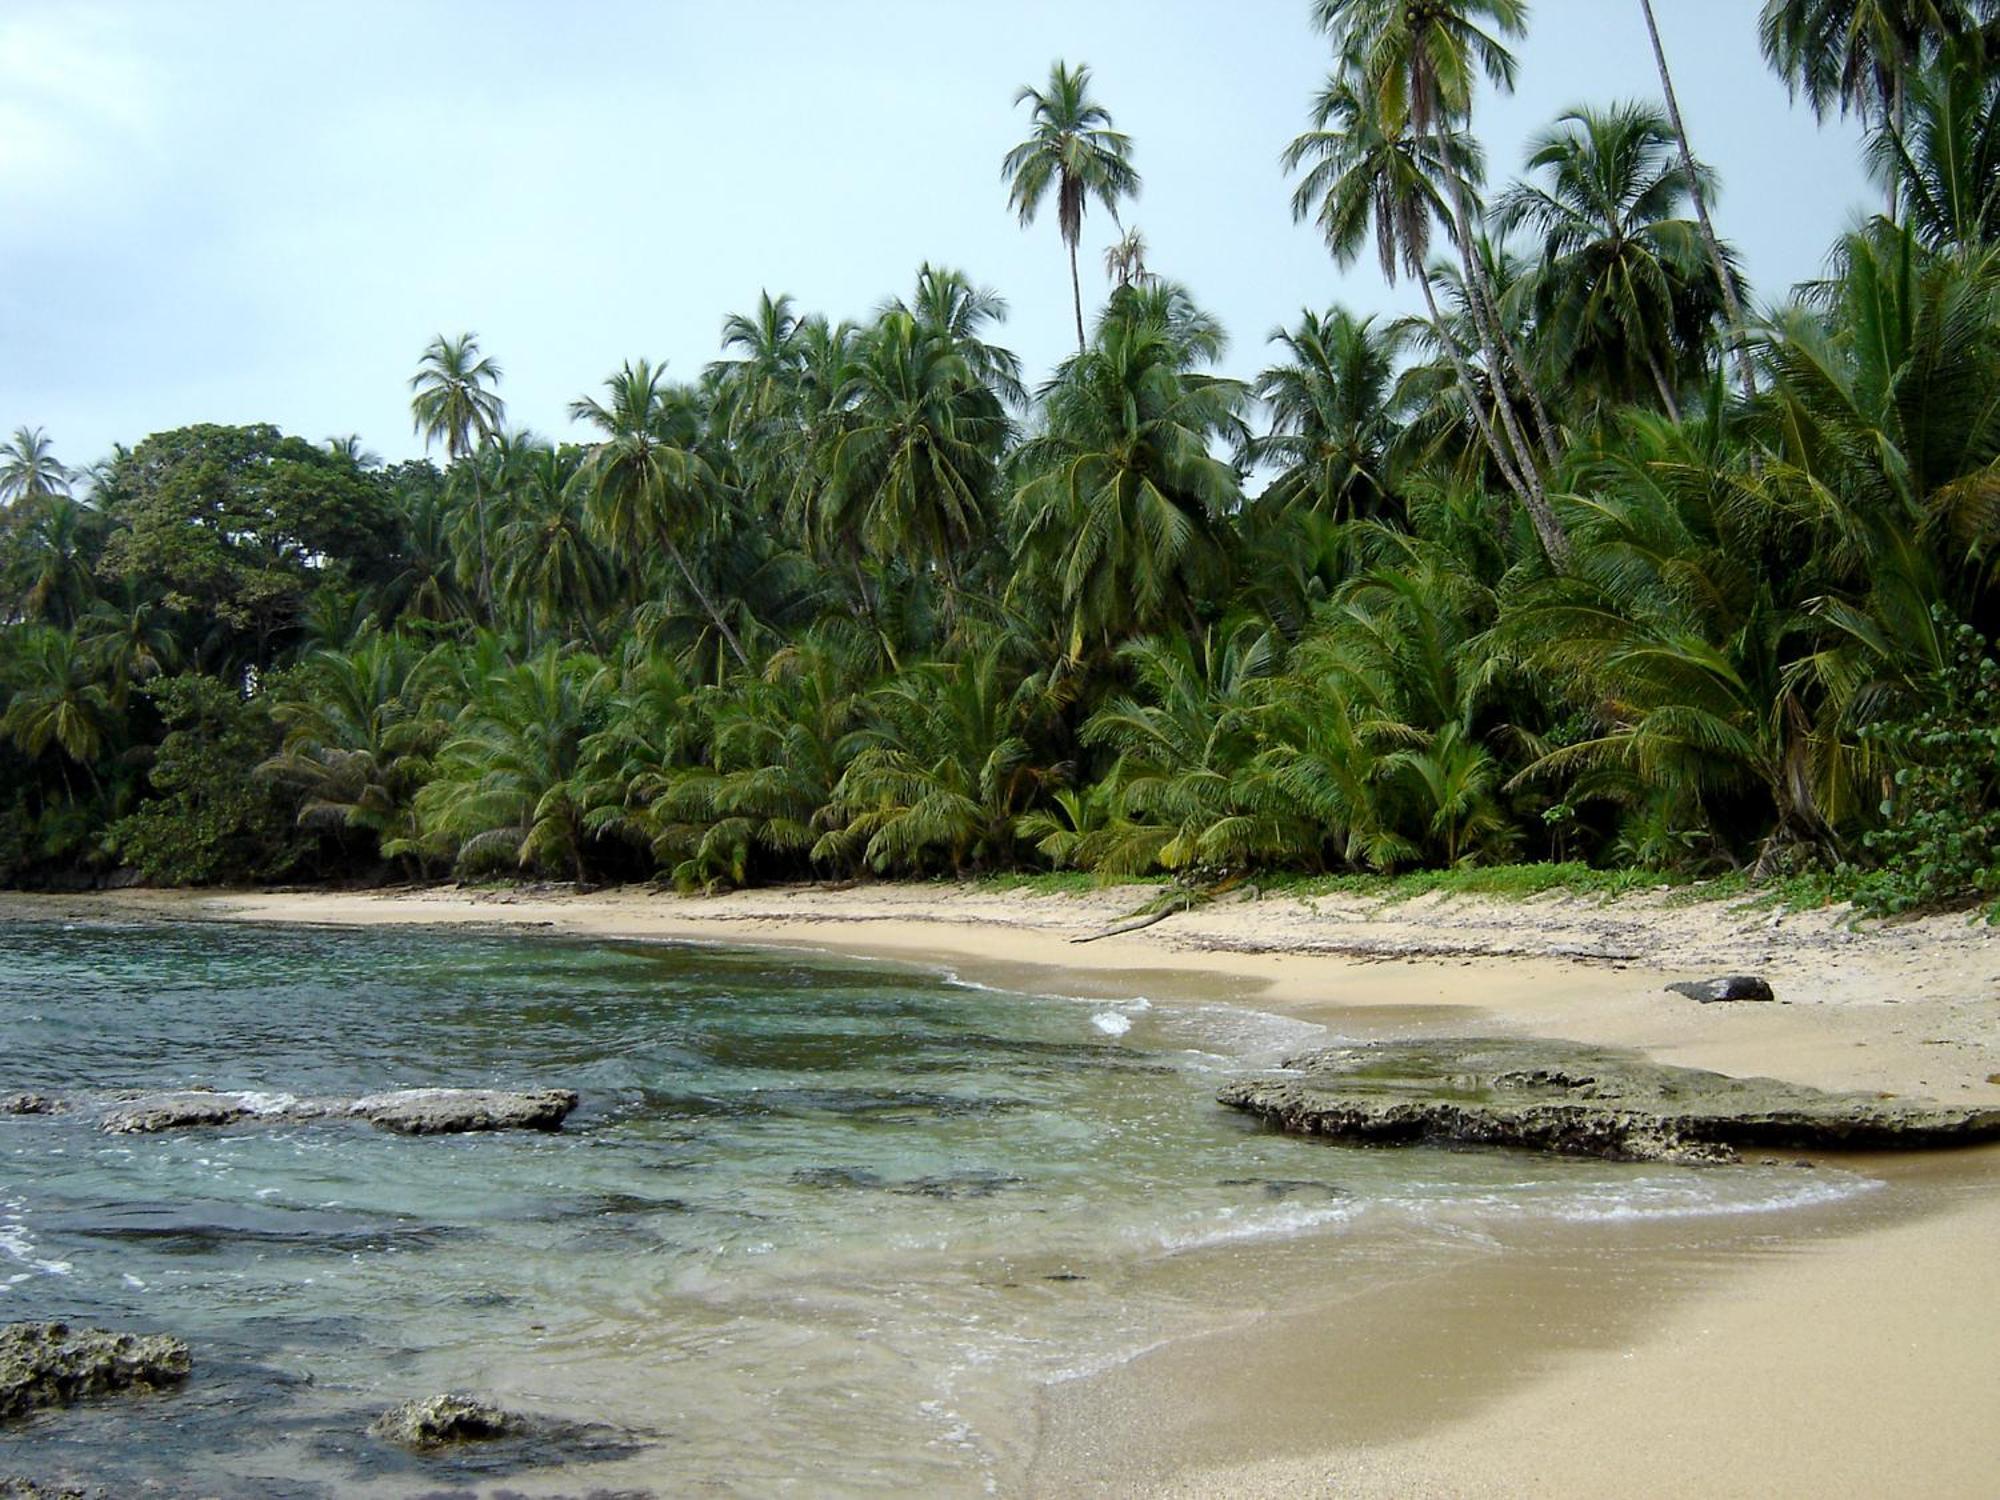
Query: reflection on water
819, 1226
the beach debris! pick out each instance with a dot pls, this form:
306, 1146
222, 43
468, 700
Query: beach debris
53, 1364
457, 1111
1577, 1100
1724, 987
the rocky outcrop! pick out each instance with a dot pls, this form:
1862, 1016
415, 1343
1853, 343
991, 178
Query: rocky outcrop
1559, 1096
455, 1111
1724, 987
52, 1364
26, 1104
407, 1111
446, 1421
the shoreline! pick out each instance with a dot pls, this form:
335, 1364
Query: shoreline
1810, 1357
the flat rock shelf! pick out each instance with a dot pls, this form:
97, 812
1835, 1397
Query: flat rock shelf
1577, 1100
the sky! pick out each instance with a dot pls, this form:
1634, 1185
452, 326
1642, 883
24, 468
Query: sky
234, 211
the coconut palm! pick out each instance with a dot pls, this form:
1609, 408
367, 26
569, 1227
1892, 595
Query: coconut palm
1121, 519
454, 400
1362, 176
907, 468
1739, 335
1073, 153
1624, 295
1944, 157
1333, 418
949, 307
647, 484
28, 470
1125, 259
58, 699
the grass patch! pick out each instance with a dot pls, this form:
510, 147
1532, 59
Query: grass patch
1509, 881
1059, 882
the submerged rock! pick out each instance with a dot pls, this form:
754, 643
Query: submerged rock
26, 1104
1725, 987
447, 1420
1559, 1096
52, 1364
409, 1111
454, 1111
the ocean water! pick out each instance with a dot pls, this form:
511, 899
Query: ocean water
820, 1226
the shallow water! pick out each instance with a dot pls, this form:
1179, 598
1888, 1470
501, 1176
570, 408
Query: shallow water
820, 1225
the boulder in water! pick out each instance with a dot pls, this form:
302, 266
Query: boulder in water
52, 1364
454, 1111
170, 1111
445, 1421
26, 1104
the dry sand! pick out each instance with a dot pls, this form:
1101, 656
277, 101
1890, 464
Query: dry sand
1858, 1358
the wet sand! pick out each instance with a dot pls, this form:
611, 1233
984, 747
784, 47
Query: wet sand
1847, 1350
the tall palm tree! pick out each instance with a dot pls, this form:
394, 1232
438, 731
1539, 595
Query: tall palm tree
1074, 153
1363, 176
28, 469
1739, 335
646, 482
454, 400
1946, 154
1858, 55
1623, 295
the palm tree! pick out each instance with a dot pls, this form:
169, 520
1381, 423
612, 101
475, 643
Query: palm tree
29, 471
1362, 175
1332, 417
1125, 259
1944, 158
1739, 335
646, 482
1121, 519
59, 700
908, 467
1623, 294
454, 400
1073, 152
949, 307
1418, 66
1858, 55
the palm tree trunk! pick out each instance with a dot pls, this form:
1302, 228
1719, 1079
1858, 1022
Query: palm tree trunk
1666, 391
1494, 338
1739, 338
1501, 458
707, 604
1076, 292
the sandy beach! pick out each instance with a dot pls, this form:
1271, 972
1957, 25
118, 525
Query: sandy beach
1856, 1357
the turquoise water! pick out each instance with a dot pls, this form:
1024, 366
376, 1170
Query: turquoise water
819, 1225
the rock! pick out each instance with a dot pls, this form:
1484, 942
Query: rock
1725, 987
451, 1111
1559, 1096
27, 1104
52, 1364
155, 1112
447, 1420
13, 1487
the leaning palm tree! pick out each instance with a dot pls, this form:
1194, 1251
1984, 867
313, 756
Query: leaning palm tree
453, 400
1739, 337
28, 469
1362, 177
1073, 152
645, 481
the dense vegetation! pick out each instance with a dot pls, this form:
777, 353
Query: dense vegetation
1600, 560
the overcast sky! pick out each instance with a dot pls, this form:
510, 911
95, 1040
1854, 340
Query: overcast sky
241, 211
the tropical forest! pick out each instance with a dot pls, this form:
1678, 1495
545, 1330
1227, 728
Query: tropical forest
1606, 561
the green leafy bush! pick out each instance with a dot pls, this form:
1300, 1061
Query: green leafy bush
1940, 844
214, 820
